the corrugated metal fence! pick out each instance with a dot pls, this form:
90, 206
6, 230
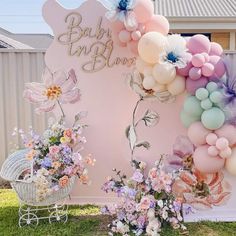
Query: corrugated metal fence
16, 68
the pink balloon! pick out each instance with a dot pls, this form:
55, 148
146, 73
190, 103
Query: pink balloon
195, 73
124, 36
218, 64
144, 10
206, 163
216, 49
141, 28
185, 71
131, 28
198, 60
208, 69
211, 139
207, 57
136, 35
198, 44
222, 143
133, 47
229, 132
193, 85
159, 24
213, 151
116, 40
226, 153
197, 133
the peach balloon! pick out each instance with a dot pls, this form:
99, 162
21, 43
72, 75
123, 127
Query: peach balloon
164, 73
197, 133
177, 86
206, 163
159, 24
229, 132
159, 88
151, 46
147, 71
149, 82
230, 164
144, 10
141, 65
136, 35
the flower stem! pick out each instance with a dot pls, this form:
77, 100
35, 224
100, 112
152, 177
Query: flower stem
135, 124
63, 114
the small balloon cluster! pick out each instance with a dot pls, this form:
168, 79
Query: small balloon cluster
131, 19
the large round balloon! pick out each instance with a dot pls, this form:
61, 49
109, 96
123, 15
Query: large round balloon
164, 73
159, 24
199, 44
230, 164
177, 86
206, 163
192, 106
197, 133
213, 118
193, 85
151, 47
187, 119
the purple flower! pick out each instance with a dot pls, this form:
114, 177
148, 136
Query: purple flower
46, 162
141, 221
137, 176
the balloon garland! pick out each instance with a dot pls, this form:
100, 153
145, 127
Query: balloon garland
167, 66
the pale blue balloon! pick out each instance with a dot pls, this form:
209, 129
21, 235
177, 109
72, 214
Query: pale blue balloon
216, 97
211, 87
206, 104
202, 94
187, 119
192, 106
213, 118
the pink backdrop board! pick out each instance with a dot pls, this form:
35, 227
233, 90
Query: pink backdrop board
83, 42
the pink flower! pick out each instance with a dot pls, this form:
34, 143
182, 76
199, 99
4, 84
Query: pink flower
56, 87
54, 150
145, 203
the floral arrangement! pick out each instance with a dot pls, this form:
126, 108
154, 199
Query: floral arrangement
56, 154
146, 201
56, 157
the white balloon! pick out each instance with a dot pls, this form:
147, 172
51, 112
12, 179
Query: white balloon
152, 46
164, 73
141, 65
149, 82
177, 86
159, 88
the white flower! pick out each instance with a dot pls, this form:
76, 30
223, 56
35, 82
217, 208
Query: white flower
122, 228
121, 10
153, 228
160, 203
176, 51
151, 214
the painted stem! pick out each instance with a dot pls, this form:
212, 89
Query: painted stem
63, 114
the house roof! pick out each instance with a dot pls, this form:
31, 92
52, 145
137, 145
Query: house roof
26, 41
197, 8
6, 42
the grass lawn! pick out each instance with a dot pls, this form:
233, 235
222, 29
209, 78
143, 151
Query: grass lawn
87, 221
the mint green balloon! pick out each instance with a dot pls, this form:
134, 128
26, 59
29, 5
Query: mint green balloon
202, 94
206, 104
213, 118
187, 120
216, 97
192, 106
211, 87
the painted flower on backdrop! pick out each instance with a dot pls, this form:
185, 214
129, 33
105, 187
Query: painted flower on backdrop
56, 88
121, 10
181, 158
176, 51
202, 191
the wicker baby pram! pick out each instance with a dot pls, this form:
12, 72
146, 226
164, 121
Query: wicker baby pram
12, 170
